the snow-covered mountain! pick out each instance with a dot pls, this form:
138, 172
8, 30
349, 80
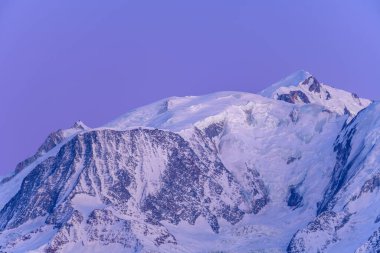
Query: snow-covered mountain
303, 88
287, 170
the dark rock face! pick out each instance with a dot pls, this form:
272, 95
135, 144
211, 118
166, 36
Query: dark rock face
314, 85
369, 186
29, 202
293, 96
182, 197
286, 97
341, 169
178, 198
326, 225
294, 198
373, 243
256, 195
292, 159
111, 166
328, 95
347, 112
214, 129
301, 96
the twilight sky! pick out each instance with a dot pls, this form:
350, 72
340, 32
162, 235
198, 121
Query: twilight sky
93, 60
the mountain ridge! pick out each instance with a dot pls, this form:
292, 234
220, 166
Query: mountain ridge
302, 87
229, 171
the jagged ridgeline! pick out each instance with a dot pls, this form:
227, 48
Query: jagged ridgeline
293, 169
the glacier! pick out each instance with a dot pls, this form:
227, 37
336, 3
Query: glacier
291, 169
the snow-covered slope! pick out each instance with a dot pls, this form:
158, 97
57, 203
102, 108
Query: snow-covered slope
303, 88
225, 172
349, 212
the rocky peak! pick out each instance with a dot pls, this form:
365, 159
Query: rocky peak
313, 84
303, 88
80, 125
294, 79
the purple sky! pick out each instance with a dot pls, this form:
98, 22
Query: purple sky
93, 60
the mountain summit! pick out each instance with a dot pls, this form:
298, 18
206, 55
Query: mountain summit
303, 88
287, 170
291, 80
